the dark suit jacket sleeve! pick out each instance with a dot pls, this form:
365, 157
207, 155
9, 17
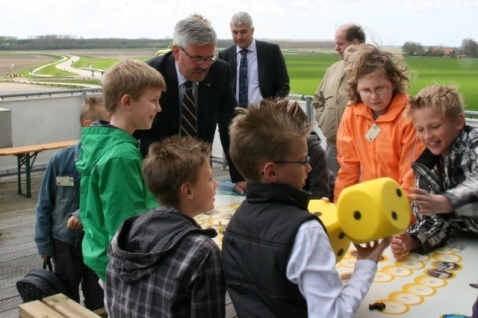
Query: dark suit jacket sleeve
229, 55
226, 114
273, 76
281, 78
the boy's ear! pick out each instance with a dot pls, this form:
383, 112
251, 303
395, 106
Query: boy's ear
269, 172
460, 121
126, 102
86, 123
186, 190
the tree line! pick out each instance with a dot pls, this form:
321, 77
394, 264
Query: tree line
67, 42
469, 48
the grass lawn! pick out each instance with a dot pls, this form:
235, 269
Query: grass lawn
449, 71
306, 71
53, 71
99, 63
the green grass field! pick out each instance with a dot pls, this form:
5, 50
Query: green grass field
306, 71
99, 64
53, 71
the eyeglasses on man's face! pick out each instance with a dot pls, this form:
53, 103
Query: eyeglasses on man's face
305, 162
198, 60
378, 91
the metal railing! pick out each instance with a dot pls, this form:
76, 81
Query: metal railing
82, 91
72, 105
470, 114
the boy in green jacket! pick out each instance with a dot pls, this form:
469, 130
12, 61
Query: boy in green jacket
112, 184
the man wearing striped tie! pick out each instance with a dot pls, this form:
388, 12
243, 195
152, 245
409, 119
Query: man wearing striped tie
199, 96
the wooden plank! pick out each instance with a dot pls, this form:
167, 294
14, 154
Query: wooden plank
14, 151
101, 312
37, 309
68, 307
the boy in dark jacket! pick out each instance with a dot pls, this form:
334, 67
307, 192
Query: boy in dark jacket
162, 264
278, 261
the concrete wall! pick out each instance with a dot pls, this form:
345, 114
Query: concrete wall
5, 128
41, 120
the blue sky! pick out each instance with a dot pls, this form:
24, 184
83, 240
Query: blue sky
386, 22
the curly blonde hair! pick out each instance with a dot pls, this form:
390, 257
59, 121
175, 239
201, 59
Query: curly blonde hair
364, 59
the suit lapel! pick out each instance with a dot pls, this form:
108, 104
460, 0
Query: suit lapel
233, 62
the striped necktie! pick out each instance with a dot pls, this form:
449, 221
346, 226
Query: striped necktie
243, 91
189, 113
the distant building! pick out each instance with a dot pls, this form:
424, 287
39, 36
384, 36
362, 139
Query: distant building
449, 51
442, 51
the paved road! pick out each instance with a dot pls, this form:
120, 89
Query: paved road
66, 66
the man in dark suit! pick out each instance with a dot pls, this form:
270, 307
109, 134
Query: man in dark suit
193, 62
264, 68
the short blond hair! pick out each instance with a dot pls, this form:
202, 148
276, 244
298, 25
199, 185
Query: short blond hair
92, 109
265, 133
171, 163
442, 97
129, 77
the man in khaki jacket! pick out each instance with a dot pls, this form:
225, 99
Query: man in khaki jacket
331, 98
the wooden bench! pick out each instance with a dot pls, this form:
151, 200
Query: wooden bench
26, 156
57, 306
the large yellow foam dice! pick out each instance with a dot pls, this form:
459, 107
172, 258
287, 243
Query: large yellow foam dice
373, 210
327, 212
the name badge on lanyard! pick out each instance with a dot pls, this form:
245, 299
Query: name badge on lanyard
373, 132
65, 181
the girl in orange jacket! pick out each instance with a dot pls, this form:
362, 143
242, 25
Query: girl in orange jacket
374, 139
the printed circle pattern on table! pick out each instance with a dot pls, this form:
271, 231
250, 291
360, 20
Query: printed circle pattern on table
435, 269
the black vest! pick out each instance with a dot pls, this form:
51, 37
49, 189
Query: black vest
256, 250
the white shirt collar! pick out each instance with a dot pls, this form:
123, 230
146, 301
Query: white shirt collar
251, 47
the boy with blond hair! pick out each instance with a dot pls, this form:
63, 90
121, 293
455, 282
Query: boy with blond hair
446, 173
277, 258
58, 229
112, 184
162, 264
